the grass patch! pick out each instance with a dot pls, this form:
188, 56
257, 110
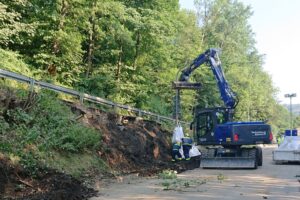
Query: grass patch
168, 174
181, 185
76, 165
221, 177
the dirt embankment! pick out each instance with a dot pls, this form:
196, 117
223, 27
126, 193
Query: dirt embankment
130, 145
16, 183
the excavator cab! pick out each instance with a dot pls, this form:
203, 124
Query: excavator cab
206, 123
224, 142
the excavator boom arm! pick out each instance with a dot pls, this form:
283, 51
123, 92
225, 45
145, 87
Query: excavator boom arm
211, 57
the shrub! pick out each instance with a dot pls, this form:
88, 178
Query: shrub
58, 130
48, 126
168, 174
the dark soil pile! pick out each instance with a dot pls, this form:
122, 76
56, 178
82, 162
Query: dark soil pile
15, 183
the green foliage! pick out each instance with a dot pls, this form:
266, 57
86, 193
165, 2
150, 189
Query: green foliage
101, 85
48, 126
57, 129
182, 184
11, 26
12, 61
130, 52
221, 177
65, 162
168, 174
30, 161
4, 126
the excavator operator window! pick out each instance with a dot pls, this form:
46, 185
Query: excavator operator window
209, 122
201, 125
220, 116
204, 124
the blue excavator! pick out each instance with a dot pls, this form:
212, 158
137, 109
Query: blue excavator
223, 142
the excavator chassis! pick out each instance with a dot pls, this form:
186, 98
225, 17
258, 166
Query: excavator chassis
222, 158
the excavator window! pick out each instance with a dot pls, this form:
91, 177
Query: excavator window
205, 124
220, 117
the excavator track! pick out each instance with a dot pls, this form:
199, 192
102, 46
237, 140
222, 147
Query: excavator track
248, 159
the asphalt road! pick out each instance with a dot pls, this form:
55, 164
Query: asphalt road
267, 182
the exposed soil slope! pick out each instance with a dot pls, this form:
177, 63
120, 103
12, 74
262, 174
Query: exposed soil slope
15, 183
130, 145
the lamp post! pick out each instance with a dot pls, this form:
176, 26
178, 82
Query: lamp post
291, 112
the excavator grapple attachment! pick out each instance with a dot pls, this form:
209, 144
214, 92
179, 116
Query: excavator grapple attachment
186, 85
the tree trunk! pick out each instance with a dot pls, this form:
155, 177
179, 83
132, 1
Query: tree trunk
91, 45
119, 64
55, 48
137, 49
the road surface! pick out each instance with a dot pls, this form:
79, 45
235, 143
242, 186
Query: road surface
267, 182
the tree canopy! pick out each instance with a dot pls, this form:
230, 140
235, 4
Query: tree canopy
130, 51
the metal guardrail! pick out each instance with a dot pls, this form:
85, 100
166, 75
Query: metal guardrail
81, 96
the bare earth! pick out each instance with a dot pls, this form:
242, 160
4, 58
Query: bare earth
267, 182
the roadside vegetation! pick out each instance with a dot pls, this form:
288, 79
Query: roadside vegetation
38, 131
172, 182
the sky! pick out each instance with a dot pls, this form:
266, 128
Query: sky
276, 24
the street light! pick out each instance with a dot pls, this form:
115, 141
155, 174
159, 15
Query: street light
291, 113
